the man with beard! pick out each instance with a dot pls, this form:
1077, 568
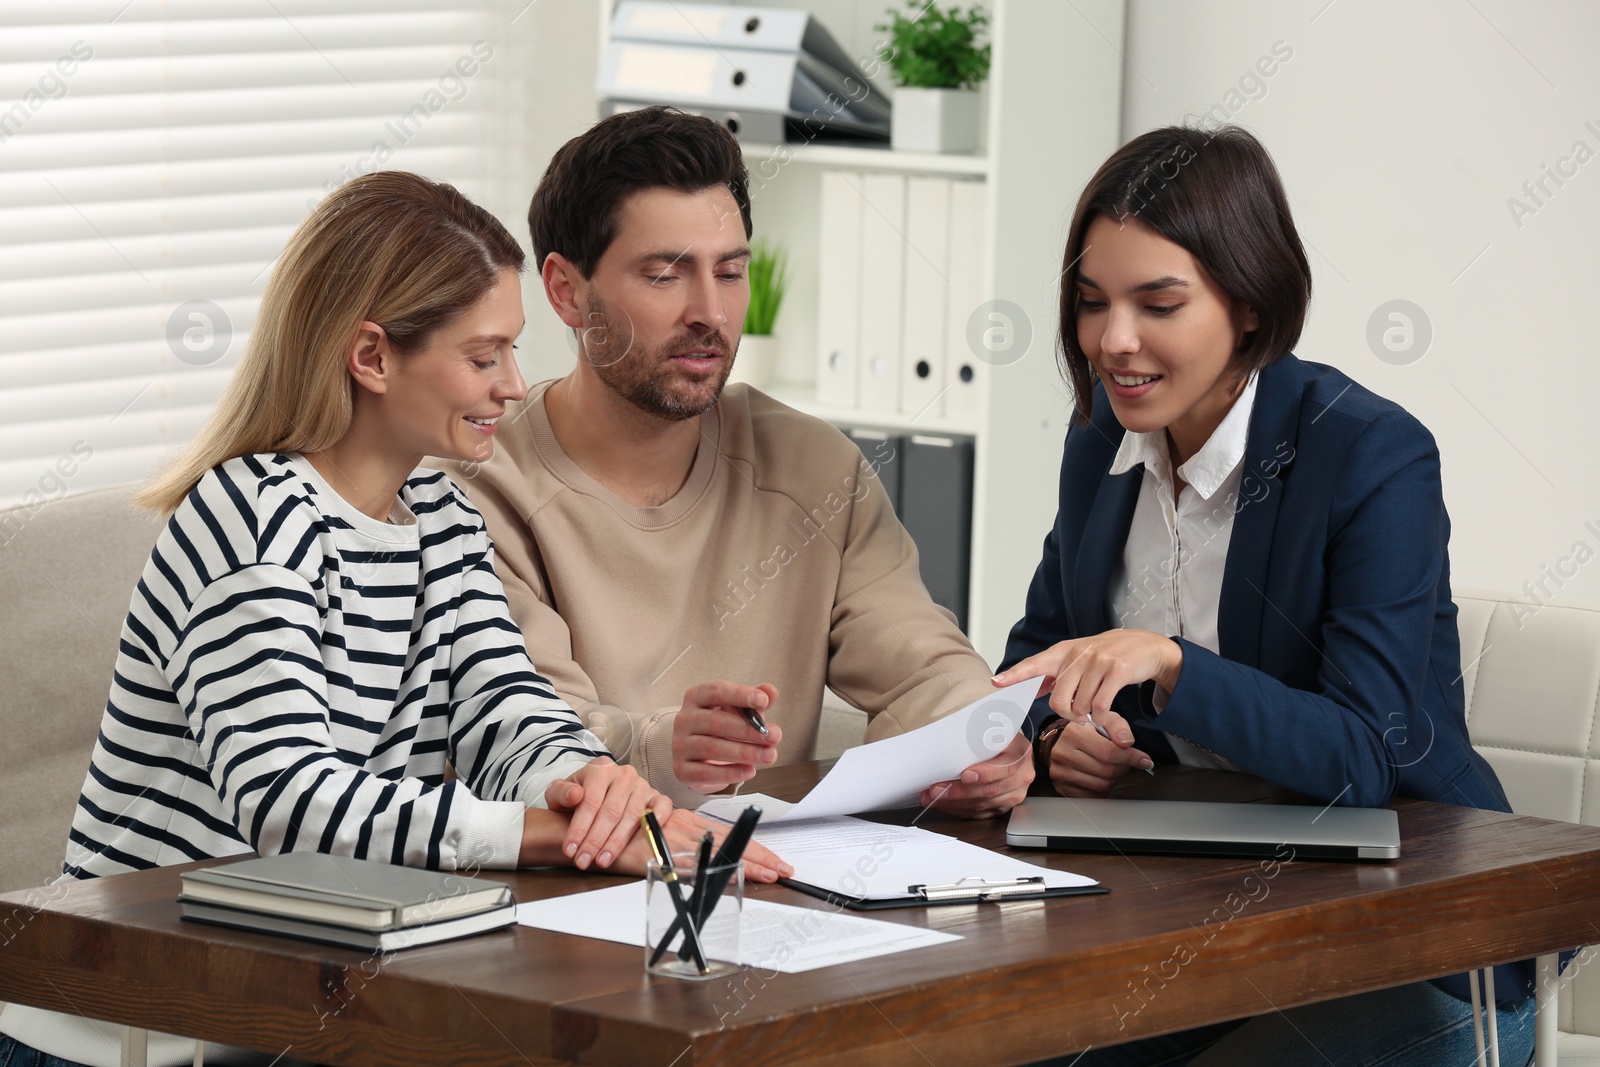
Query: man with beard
675, 553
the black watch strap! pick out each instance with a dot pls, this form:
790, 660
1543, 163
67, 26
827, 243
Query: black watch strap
1042, 746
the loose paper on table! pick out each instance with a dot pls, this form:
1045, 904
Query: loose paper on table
771, 937
893, 772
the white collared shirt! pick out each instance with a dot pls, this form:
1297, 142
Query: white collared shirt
1169, 579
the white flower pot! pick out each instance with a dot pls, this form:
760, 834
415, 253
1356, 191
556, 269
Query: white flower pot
935, 120
756, 362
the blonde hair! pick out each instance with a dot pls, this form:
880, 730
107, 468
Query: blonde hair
392, 248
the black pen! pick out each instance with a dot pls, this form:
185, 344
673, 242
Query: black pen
753, 717
733, 845
729, 854
698, 900
663, 857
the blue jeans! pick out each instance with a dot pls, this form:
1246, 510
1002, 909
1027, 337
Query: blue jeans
1414, 1025
14, 1053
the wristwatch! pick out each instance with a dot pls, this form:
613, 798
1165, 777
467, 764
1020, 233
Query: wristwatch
1042, 747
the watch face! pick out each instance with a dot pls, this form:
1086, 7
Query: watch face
1042, 747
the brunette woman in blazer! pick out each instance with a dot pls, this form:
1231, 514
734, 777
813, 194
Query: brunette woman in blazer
1249, 569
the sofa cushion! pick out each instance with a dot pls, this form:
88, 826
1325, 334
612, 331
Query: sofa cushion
67, 572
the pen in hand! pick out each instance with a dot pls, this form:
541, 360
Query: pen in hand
1101, 730
753, 717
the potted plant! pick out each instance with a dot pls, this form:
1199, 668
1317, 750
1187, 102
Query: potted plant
938, 65
758, 348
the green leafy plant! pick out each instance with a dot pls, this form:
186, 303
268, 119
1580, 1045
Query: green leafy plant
935, 49
769, 280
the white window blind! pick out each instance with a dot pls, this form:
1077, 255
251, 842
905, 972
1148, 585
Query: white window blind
155, 156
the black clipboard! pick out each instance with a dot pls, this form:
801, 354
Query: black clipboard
966, 891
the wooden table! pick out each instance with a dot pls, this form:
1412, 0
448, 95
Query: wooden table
1176, 943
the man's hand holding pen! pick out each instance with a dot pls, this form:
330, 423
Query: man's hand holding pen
719, 737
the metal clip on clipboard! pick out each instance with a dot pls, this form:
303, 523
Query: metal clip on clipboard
978, 890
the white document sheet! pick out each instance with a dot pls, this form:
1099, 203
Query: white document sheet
892, 773
773, 937
864, 859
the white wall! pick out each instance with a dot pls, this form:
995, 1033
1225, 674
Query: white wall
1401, 131
561, 39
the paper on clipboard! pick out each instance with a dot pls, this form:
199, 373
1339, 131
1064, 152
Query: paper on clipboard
868, 861
892, 773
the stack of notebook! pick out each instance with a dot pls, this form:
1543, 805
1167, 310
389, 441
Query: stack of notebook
357, 903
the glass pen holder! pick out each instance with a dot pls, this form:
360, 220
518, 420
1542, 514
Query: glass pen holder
714, 897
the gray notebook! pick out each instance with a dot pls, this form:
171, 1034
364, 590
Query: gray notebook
358, 894
1196, 828
375, 940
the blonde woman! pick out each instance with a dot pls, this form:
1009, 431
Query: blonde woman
319, 629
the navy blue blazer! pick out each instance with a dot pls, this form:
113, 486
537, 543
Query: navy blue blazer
1340, 667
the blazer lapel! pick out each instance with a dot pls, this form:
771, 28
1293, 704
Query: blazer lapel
1274, 433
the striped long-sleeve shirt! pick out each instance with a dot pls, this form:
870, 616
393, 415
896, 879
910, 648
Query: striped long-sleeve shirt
293, 675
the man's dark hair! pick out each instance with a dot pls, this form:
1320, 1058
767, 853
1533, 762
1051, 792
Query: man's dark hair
574, 210
1216, 194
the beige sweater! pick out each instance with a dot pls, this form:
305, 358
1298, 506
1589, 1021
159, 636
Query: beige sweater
780, 560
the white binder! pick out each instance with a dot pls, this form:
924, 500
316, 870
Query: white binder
883, 259
715, 26
707, 24
964, 371
839, 290
761, 72
682, 74
922, 366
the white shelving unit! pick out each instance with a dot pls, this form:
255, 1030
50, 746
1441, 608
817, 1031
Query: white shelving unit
804, 398
846, 157
1053, 113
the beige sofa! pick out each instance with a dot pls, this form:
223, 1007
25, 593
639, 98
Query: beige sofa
67, 572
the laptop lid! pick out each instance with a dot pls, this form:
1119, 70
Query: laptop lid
1199, 828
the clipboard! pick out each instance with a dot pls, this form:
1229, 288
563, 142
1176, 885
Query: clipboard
965, 891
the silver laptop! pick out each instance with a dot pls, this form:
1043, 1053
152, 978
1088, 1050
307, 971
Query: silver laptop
1194, 828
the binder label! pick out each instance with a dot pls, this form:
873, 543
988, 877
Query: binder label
654, 70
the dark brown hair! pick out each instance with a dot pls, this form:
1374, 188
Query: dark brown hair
574, 210
1216, 194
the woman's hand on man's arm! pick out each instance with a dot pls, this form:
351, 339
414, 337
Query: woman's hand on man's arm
604, 801
593, 820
